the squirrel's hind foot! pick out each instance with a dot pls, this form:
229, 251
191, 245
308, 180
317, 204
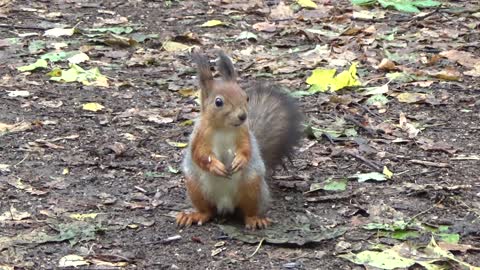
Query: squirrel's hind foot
184, 219
256, 222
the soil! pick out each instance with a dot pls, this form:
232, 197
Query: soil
118, 163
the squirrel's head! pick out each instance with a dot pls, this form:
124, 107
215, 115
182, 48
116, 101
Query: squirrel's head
223, 101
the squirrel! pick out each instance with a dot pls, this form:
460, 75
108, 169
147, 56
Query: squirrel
239, 137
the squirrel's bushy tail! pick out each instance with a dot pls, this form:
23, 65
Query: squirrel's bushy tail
275, 120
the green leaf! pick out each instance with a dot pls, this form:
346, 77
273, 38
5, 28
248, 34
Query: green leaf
377, 99
452, 238
400, 5
330, 184
335, 185
426, 3
363, 2
387, 259
404, 234
58, 56
40, 63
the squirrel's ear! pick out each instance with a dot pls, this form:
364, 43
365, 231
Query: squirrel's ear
225, 67
203, 70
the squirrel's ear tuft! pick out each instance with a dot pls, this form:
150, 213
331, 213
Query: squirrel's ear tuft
225, 67
203, 69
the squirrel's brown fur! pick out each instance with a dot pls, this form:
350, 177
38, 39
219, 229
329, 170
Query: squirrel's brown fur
238, 137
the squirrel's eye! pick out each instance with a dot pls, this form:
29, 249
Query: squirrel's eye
248, 98
218, 102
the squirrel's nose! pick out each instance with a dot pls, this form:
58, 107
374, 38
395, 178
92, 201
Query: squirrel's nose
242, 116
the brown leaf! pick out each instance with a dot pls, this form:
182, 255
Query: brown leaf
465, 59
387, 65
456, 247
281, 12
265, 27
430, 145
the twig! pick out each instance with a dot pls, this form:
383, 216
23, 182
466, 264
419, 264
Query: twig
257, 249
24, 158
370, 163
425, 211
357, 123
430, 163
470, 208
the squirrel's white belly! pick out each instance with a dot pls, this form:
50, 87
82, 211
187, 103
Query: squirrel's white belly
220, 190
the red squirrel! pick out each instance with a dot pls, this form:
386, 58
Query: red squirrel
240, 136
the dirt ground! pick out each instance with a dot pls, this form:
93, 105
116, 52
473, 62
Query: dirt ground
120, 162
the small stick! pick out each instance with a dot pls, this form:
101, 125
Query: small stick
257, 249
430, 163
366, 161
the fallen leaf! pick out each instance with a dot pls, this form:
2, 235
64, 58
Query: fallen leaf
281, 12
411, 97
92, 106
409, 128
322, 80
72, 261
376, 176
465, 59
246, 35
14, 214
212, 23
78, 58
18, 127
40, 63
58, 32
18, 93
177, 144
265, 27
307, 4
387, 65
172, 46
329, 185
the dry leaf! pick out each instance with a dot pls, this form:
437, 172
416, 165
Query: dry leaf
281, 12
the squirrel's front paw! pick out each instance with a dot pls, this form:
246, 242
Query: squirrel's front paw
239, 162
218, 168
187, 219
255, 222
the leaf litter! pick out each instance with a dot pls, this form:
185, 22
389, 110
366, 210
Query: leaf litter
396, 60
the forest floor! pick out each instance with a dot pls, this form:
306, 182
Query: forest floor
98, 187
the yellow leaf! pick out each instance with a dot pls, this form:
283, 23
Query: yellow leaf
322, 80
177, 144
92, 107
83, 216
65, 171
187, 92
172, 46
307, 3
212, 23
188, 122
387, 172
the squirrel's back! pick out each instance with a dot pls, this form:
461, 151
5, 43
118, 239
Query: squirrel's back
275, 120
